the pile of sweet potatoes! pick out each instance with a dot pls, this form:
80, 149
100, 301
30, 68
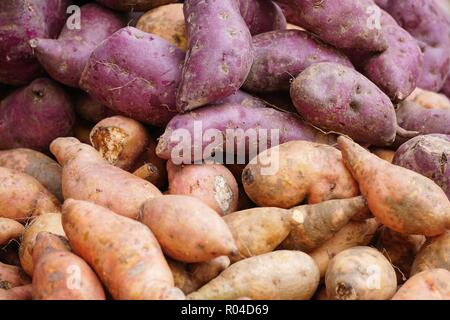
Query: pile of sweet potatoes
224, 149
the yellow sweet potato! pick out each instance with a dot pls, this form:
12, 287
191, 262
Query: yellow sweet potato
432, 284
435, 254
9, 230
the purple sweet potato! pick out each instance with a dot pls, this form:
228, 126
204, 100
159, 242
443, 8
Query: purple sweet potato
263, 122
65, 58
139, 74
344, 24
35, 115
21, 21
218, 62
337, 98
426, 21
446, 88
262, 16
428, 155
281, 55
134, 5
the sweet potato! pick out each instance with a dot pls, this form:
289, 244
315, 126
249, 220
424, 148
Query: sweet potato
134, 5
61, 275
36, 164
428, 155
20, 21
337, 98
312, 225
65, 58
32, 116
141, 85
384, 154
429, 99
262, 16
400, 250
431, 284
253, 126
360, 273
446, 87
124, 253
17, 293
167, 22
283, 275
89, 109
258, 230
82, 130
299, 170
281, 55
120, 140
216, 63
12, 276
401, 199
9, 230
87, 176
433, 255
22, 196
213, 184
49, 222
187, 229
330, 21
425, 21
355, 233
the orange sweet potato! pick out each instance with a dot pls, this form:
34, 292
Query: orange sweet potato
384, 154
17, 293
9, 230
435, 254
432, 284
12, 276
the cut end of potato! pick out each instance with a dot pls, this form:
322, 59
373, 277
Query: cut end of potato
109, 141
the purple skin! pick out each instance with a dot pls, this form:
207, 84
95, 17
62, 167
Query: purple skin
217, 63
340, 31
242, 116
65, 58
397, 70
21, 21
241, 97
446, 88
280, 56
262, 16
139, 74
33, 116
425, 21
89, 109
337, 98
428, 155
134, 5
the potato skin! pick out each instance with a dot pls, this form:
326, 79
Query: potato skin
204, 234
385, 154
213, 184
304, 170
430, 284
429, 99
87, 176
281, 275
283, 54
433, 255
428, 155
12, 276
49, 222
337, 98
17, 293
44, 169
360, 273
9, 230
141, 86
133, 5
123, 252
401, 199
216, 63
262, 16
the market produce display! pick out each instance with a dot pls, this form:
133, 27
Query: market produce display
224, 150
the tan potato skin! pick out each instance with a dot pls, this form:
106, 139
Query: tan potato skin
36, 164
314, 224
167, 22
306, 170
384, 154
401, 199
9, 230
213, 184
278, 275
435, 254
360, 273
119, 140
187, 229
123, 252
12, 276
429, 99
353, 234
17, 293
22, 196
61, 275
50, 222
87, 176
432, 284
258, 230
